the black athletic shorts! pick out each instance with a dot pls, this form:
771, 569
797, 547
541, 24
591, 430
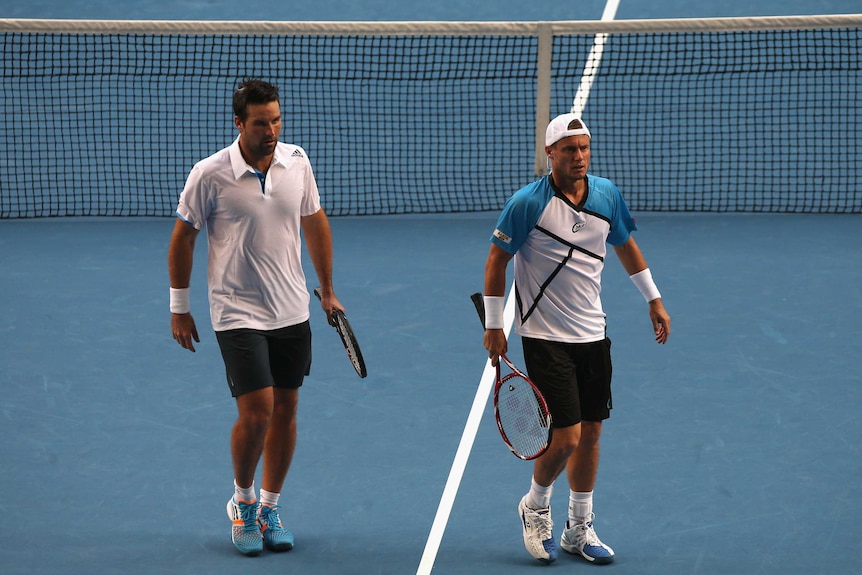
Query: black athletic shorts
255, 359
575, 378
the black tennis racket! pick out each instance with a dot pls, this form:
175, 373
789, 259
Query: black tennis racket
348, 338
520, 409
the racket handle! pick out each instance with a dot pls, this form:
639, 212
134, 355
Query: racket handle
479, 302
331, 319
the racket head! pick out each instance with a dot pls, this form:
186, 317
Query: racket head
522, 415
351, 345
348, 339
520, 409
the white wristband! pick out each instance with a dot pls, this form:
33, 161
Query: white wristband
494, 305
180, 300
644, 282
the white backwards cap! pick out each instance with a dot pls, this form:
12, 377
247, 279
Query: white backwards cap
563, 126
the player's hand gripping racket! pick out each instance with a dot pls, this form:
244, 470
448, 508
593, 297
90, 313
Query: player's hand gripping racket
348, 338
520, 409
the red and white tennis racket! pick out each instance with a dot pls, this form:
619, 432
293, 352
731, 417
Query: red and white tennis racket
520, 409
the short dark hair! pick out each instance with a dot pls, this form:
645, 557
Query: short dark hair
252, 91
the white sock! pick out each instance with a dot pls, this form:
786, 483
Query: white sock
580, 506
269, 498
244, 494
539, 496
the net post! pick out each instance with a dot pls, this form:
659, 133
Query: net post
543, 94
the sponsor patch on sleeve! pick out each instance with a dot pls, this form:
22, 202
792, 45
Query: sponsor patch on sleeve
502, 237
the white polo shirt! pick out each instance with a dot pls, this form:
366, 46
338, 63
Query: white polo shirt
254, 263
559, 253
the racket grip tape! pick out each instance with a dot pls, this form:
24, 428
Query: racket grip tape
332, 315
479, 302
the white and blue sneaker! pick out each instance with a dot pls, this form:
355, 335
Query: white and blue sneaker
244, 531
275, 536
581, 539
538, 531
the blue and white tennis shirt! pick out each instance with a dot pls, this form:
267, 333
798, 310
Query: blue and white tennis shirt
559, 251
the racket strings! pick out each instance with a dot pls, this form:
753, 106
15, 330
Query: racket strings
521, 417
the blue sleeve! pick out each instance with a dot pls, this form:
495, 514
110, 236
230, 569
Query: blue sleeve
622, 221
520, 214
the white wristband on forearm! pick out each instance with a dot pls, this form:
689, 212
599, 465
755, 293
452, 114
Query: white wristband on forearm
180, 300
644, 282
494, 305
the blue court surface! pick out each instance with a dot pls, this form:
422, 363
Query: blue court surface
733, 449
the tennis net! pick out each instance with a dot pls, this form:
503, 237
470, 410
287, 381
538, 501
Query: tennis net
106, 118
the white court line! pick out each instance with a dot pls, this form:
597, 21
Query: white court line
464, 448
432, 545
593, 61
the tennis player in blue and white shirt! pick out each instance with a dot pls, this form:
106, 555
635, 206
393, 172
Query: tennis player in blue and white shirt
556, 230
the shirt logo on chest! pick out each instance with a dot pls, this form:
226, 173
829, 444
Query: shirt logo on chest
578, 227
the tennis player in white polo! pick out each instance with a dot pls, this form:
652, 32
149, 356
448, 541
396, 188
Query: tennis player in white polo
254, 197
